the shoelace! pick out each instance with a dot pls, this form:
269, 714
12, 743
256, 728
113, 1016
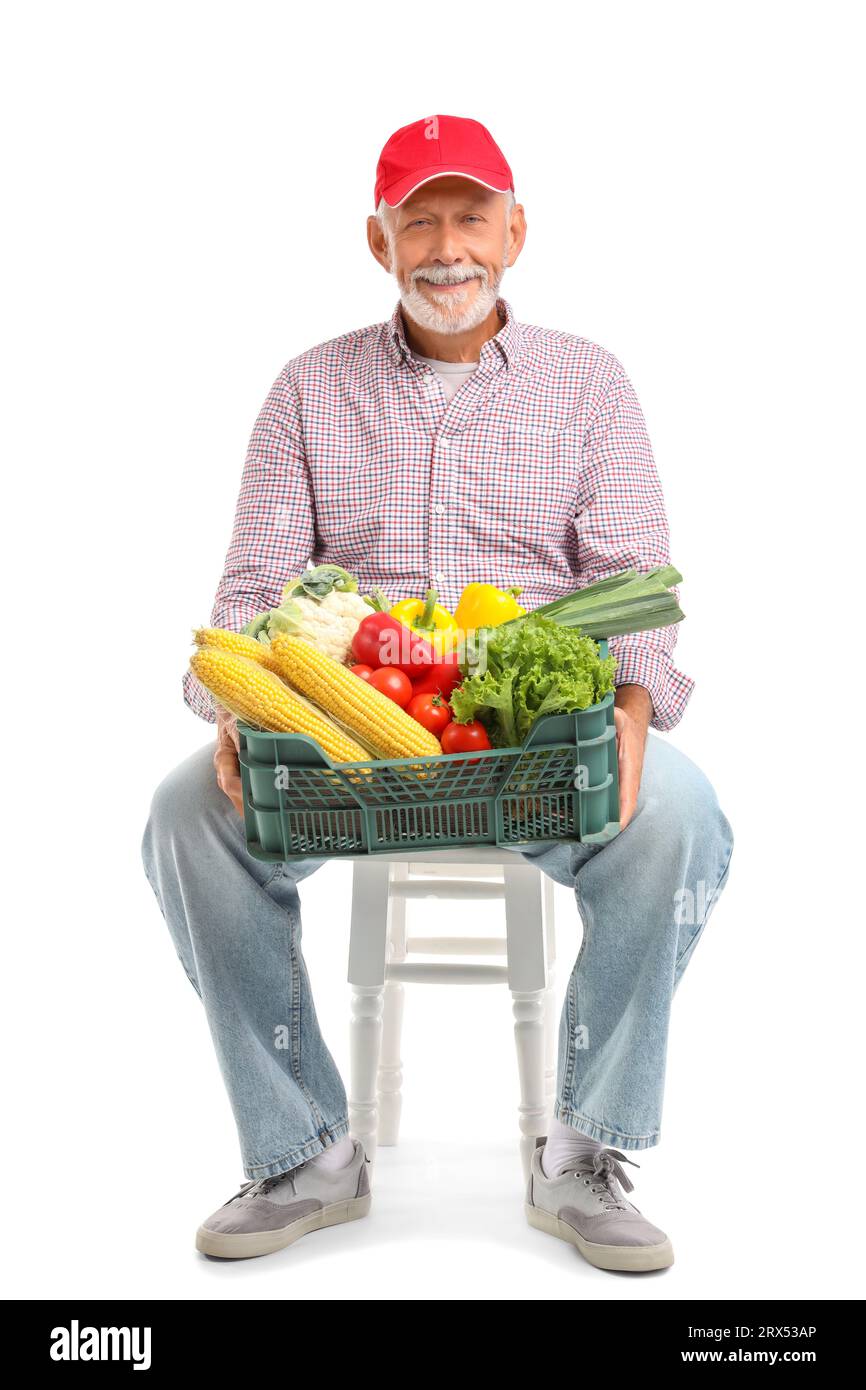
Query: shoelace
605, 1169
260, 1187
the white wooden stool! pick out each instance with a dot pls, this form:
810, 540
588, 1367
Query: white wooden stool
379, 966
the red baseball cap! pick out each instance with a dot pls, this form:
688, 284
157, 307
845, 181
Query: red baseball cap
434, 146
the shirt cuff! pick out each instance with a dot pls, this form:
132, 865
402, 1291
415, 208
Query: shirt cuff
233, 616
639, 664
197, 698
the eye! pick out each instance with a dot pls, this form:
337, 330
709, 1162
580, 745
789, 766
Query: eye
473, 217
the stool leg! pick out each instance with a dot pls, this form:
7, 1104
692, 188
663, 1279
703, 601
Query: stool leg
365, 1035
390, 1080
367, 945
527, 979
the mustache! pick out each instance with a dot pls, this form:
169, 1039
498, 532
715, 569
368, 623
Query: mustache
448, 275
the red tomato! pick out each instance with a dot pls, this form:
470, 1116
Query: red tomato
392, 682
431, 711
444, 676
464, 738
365, 672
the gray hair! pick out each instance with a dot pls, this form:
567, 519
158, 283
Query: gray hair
382, 210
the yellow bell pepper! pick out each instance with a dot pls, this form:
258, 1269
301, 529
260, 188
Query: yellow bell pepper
483, 605
428, 617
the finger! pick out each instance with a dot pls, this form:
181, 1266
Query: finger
627, 797
226, 762
627, 789
227, 727
233, 789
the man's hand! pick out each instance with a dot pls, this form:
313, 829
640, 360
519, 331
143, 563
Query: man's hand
633, 710
225, 758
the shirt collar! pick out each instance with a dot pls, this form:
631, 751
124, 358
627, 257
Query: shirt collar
507, 342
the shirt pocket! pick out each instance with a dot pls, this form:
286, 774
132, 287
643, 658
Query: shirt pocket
348, 503
530, 483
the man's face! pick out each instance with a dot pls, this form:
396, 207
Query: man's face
448, 246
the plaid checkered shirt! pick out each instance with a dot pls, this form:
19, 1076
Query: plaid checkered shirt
539, 472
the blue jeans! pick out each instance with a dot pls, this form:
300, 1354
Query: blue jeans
235, 921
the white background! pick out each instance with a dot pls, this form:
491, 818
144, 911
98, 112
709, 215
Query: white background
187, 187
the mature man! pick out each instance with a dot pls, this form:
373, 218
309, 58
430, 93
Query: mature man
449, 442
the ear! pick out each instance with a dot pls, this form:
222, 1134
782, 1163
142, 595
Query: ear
378, 242
516, 233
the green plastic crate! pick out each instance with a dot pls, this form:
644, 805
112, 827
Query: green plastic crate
561, 785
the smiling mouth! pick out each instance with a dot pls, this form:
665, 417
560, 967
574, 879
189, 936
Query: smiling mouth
447, 289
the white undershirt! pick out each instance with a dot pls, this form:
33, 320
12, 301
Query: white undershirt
451, 374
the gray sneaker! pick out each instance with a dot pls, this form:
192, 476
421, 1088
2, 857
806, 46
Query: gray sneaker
270, 1213
586, 1206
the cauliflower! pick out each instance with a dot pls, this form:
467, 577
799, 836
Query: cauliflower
329, 623
322, 606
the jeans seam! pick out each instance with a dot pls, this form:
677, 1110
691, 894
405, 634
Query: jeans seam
710, 905
572, 994
156, 893
295, 1001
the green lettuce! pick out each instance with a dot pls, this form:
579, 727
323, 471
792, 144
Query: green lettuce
531, 667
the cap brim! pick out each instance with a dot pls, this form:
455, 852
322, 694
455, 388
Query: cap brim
398, 192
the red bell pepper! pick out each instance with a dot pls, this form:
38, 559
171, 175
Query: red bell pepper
383, 641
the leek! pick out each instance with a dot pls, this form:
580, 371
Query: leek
625, 602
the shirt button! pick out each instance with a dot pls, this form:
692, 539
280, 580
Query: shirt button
443, 443
439, 509
440, 578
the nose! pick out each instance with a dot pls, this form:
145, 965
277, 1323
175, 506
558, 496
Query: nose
446, 247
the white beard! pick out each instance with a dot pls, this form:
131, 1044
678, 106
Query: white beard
449, 318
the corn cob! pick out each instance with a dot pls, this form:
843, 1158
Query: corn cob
260, 697
376, 720
237, 642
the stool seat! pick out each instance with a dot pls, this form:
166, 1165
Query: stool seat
381, 964
459, 855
